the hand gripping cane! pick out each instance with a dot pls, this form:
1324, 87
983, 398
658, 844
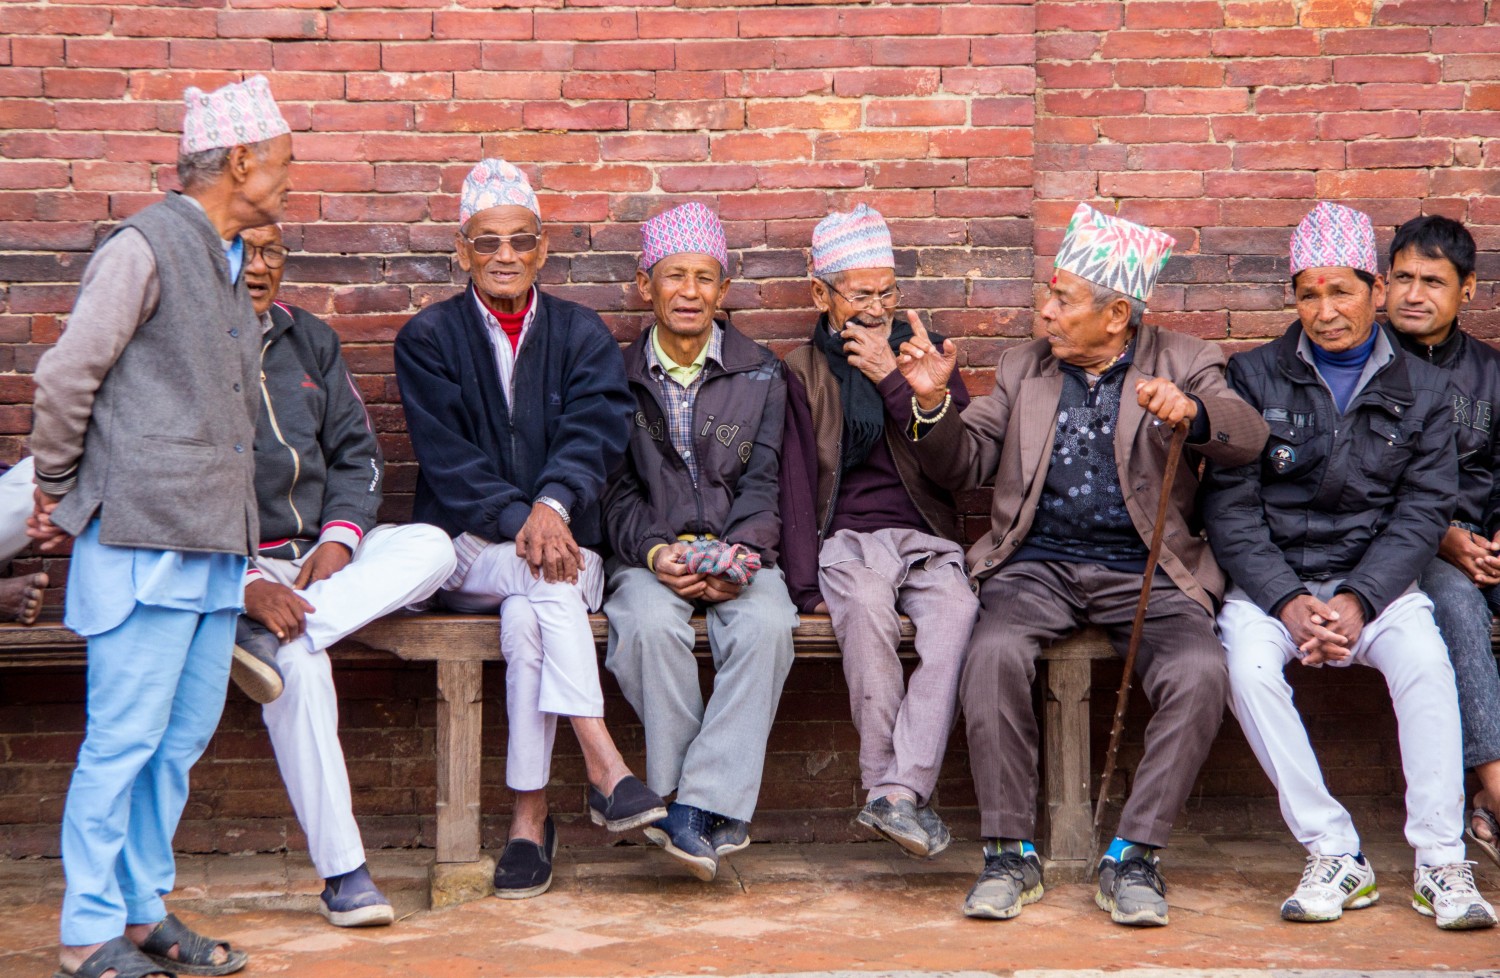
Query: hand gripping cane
1117, 730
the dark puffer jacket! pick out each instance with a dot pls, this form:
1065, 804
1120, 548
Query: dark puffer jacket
737, 429
1364, 496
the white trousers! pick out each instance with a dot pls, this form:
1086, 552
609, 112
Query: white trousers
394, 566
551, 665
16, 487
1404, 644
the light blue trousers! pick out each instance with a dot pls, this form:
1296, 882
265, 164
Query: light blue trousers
156, 687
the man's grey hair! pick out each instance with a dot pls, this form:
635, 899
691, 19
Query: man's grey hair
204, 167
1104, 295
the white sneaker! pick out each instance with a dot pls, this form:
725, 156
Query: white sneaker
1449, 894
1330, 885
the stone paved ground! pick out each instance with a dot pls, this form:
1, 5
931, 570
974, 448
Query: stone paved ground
626, 911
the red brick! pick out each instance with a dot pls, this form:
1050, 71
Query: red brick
1020, 19
1289, 156
1155, 129
519, 85
482, 25
116, 53
790, 84
39, 20
1432, 12
721, 114
793, 175
917, 112
544, 147
1130, 45
969, 143
306, 86
430, 56
398, 87
1259, 13
381, 25
1279, 71
1002, 50
366, 208
1337, 13
983, 202
764, 206
141, 22
1080, 16
1460, 124
1173, 14
221, 55
1380, 97
698, 179
751, 146
1067, 47
1115, 102
650, 56
81, 83
1178, 156
1372, 183
1196, 101
1309, 99
1360, 125
575, 26
37, 52
796, 22
1385, 68
472, 116
1171, 184
138, 147
1378, 40
1264, 43
990, 80
887, 82
663, 147
1462, 40
49, 145
689, 85
1466, 183
332, 177
673, 24
396, 177
1301, 186
327, 56
871, 145
1003, 111
1160, 74
617, 85
1083, 74
863, 22
96, 116
38, 114
1457, 67
274, 24
804, 114
428, 148
833, 52
999, 173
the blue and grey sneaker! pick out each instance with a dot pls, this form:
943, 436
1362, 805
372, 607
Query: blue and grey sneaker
684, 833
353, 900
1131, 888
729, 835
1011, 879
253, 667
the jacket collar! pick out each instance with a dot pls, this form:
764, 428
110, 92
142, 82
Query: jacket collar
281, 321
1142, 349
737, 353
1390, 386
1446, 354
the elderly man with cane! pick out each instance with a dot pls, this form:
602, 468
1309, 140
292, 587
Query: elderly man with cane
1075, 438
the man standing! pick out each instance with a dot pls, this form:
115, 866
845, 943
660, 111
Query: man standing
1324, 537
1432, 278
324, 568
1074, 437
692, 517
518, 410
143, 436
865, 536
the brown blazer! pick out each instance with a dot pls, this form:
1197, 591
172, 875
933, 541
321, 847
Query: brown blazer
1007, 435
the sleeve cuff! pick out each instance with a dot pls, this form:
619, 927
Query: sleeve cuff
897, 394
1276, 606
57, 485
512, 518
562, 494
340, 531
1199, 430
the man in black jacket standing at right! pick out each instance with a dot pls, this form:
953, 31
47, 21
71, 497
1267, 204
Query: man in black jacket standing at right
1324, 537
1431, 279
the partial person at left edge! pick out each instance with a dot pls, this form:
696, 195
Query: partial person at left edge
152, 391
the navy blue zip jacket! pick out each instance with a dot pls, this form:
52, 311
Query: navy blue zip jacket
482, 466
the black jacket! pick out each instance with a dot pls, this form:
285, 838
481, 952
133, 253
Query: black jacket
1473, 370
317, 462
1364, 496
738, 417
482, 466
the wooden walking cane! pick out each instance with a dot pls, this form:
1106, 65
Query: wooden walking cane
1117, 730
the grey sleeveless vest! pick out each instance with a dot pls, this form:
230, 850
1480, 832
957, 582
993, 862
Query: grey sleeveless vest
168, 460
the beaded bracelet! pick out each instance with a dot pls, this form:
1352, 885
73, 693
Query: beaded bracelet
919, 417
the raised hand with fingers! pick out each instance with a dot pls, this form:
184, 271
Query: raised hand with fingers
925, 367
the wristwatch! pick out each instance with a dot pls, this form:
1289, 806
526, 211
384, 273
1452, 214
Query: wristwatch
557, 507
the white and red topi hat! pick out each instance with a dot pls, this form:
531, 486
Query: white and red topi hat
238, 114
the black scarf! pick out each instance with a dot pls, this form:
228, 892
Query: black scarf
864, 411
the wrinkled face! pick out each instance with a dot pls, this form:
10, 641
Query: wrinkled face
261, 278
505, 277
1336, 309
265, 180
1080, 334
1425, 295
867, 296
685, 292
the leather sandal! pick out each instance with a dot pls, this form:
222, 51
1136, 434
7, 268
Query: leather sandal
121, 956
1491, 846
195, 953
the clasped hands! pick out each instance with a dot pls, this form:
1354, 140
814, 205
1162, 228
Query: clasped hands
1324, 631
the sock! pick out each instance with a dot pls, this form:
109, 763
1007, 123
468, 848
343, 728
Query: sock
1117, 848
994, 847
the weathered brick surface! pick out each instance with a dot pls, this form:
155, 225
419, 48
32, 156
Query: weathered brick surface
974, 126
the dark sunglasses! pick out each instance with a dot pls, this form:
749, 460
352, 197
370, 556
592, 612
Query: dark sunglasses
488, 244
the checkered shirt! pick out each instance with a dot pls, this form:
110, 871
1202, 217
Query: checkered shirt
678, 401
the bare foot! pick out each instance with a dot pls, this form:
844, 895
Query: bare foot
21, 598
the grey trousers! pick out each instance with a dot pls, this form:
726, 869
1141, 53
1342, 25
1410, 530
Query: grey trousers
1180, 666
1464, 613
712, 755
867, 581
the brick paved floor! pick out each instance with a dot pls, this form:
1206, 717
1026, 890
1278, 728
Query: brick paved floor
627, 911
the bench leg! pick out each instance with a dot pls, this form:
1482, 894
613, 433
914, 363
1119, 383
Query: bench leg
1070, 819
461, 873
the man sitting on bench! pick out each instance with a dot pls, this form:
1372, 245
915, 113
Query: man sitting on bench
323, 570
865, 536
1074, 436
692, 517
518, 409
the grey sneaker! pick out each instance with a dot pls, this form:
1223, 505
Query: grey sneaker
1132, 889
897, 821
938, 837
729, 835
1009, 881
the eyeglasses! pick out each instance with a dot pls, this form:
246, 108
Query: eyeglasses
488, 244
861, 300
273, 255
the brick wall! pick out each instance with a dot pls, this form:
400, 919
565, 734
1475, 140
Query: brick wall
973, 126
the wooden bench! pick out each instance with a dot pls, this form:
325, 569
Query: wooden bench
459, 645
